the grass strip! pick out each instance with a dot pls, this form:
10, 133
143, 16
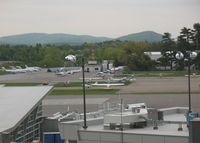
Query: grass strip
159, 73
79, 84
3, 72
88, 91
21, 84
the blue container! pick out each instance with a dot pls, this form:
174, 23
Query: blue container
52, 138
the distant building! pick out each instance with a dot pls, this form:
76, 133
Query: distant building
106, 65
21, 113
153, 55
94, 66
92, 62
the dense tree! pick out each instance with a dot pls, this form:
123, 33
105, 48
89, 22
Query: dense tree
196, 33
130, 54
52, 58
168, 49
186, 36
135, 58
188, 41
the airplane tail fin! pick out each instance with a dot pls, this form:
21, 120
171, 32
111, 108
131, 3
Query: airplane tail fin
95, 83
3, 68
18, 67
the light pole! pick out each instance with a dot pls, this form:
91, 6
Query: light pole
191, 56
72, 58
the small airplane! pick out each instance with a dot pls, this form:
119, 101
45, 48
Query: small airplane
14, 70
29, 69
100, 74
123, 79
32, 69
107, 84
62, 72
91, 78
117, 68
74, 71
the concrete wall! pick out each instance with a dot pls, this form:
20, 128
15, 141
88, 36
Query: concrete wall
106, 137
50, 125
4, 138
73, 132
70, 130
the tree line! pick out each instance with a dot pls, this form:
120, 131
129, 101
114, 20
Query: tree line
128, 53
187, 41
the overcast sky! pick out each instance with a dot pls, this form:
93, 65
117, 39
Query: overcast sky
111, 18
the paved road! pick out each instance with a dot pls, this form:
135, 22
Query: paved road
74, 103
42, 76
162, 85
53, 104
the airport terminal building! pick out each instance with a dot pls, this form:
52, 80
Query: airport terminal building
21, 113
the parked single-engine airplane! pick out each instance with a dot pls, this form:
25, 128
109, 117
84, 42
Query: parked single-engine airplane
14, 70
32, 69
107, 84
62, 72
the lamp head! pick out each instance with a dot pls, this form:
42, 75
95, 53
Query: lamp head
193, 55
179, 55
71, 58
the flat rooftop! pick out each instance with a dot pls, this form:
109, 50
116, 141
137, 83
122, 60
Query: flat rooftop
17, 102
172, 120
164, 129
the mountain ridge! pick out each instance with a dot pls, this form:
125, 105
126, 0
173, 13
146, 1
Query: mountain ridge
61, 38
149, 36
45, 38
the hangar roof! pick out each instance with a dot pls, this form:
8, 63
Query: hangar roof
17, 102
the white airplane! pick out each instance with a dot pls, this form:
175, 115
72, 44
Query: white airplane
117, 68
100, 74
14, 70
91, 78
29, 69
63, 72
107, 84
32, 69
74, 71
123, 79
